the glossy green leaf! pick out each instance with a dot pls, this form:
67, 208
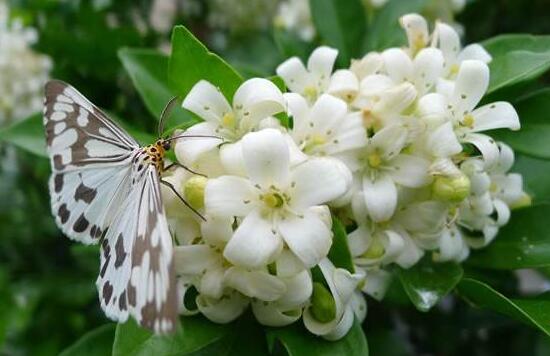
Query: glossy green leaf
535, 180
339, 253
517, 58
299, 342
191, 61
148, 71
385, 31
195, 336
532, 138
427, 282
27, 134
98, 342
534, 311
524, 242
341, 24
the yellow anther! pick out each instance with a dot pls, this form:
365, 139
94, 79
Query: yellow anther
468, 120
454, 69
310, 93
375, 250
374, 159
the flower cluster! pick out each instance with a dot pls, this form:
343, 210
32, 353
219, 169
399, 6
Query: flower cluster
395, 147
23, 72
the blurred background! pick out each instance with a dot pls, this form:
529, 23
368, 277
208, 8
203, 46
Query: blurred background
47, 283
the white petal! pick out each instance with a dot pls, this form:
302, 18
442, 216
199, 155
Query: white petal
342, 327
410, 171
380, 197
425, 216
389, 141
471, 84
266, 158
416, 28
294, 74
398, 65
344, 84
270, 314
255, 284
288, 265
207, 102
369, 64
474, 51
298, 108
254, 243
500, 115
306, 236
451, 246
326, 113
259, 98
217, 230
350, 135
318, 181
486, 145
231, 157
188, 150
184, 287
223, 310
194, 259
298, 290
377, 283
445, 87
374, 84
411, 253
427, 68
395, 99
228, 196
211, 284
448, 41
320, 63
503, 212
442, 142
505, 159
433, 108
359, 240
359, 306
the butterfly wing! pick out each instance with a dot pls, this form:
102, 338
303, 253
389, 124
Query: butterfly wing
90, 156
136, 276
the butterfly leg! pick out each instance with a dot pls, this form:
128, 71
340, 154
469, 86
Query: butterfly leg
177, 164
169, 185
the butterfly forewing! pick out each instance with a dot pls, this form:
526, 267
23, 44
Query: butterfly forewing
97, 191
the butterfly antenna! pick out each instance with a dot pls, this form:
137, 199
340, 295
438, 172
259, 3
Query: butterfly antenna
166, 112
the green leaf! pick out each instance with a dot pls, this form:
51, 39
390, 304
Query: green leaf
299, 342
532, 138
535, 311
339, 253
27, 134
427, 282
191, 61
517, 58
524, 242
148, 71
97, 342
290, 45
534, 173
341, 24
195, 333
385, 31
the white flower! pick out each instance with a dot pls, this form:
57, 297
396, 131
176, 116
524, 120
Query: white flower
347, 303
255, 100
276, 201
326, 128
313, 81
295, 15
382, 164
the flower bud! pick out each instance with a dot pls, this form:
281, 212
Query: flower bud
323, 306
194, 191
376, 250
453, 189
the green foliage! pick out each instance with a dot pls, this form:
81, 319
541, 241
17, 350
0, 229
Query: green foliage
339, 253
298, 342
427, 282
517, 58
27, 134
191, 61
341, 24
98, 342
535, 311
534, 171
523, 243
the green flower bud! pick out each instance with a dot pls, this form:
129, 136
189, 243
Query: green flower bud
323, 306
376, 250
452, 189
194, 191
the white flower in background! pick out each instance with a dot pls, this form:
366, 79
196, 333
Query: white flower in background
276, 202
23, 72
325, 128
255, 100
240, 15
333, 309
295, 16
312, 81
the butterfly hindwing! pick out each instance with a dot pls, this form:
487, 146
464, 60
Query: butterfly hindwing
136, 276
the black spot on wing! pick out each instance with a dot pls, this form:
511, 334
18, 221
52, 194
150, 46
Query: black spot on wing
58, 182
95, 232
81, 224
120, 253
106, 257
122, 301
107, 292
84, 193
63, 213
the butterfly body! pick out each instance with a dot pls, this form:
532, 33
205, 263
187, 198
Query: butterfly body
105, 188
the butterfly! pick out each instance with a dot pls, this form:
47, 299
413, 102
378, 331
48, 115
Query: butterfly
105, 188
